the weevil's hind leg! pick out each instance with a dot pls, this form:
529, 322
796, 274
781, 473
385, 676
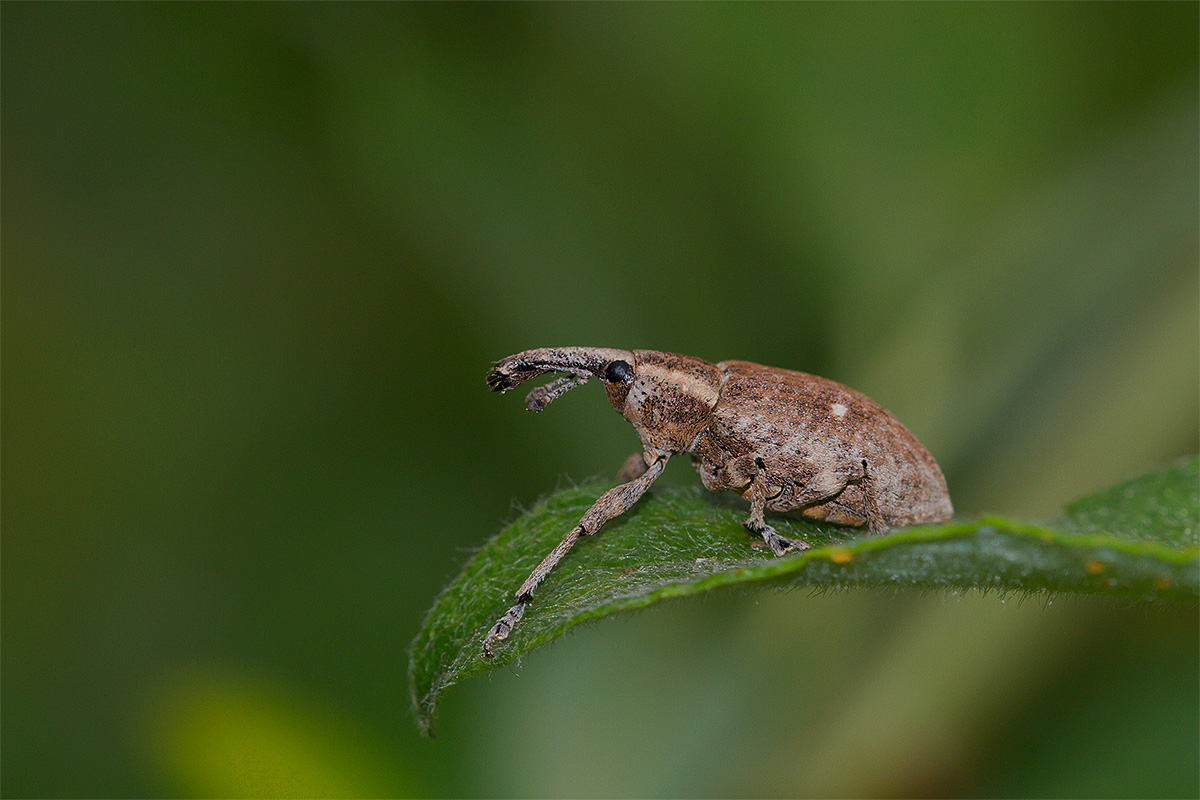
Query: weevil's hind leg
875, 520
843, 496
611, 504
757, 522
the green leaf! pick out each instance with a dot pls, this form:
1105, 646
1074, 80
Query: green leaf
1138, 539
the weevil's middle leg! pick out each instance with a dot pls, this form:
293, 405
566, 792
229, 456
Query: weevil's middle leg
757, 522
611, 504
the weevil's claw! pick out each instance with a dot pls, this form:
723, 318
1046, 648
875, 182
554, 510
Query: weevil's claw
781, 545
501, 629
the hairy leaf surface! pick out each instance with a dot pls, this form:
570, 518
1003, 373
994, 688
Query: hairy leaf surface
1138, 539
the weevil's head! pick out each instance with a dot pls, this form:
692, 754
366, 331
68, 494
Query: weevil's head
667, 398
579, 363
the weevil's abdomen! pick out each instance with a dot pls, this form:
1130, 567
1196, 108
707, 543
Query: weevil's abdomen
809, 429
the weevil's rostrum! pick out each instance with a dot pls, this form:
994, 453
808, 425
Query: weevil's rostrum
784, 440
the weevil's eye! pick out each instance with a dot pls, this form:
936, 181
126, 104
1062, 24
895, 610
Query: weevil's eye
617, 372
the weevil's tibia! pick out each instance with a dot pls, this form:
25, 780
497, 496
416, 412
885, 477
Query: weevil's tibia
612, 503
875, 522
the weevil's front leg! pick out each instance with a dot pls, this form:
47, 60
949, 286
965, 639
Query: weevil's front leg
611, 504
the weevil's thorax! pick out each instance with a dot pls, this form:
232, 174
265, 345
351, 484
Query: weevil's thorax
670, 399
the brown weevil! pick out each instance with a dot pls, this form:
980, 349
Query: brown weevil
784, 440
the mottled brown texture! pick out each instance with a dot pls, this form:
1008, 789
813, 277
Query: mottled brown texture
784, 440
819, 461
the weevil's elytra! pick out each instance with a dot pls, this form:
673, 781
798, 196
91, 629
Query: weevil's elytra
784, 440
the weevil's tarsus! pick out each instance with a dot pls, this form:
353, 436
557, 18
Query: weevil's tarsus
613, 503
780, 545
499, 631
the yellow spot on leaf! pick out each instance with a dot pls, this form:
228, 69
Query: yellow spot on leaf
1162, 583
1094, 567
841, 556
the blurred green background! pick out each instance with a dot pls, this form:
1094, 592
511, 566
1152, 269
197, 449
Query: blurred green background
257, 260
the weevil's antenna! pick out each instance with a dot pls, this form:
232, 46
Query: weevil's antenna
543, 396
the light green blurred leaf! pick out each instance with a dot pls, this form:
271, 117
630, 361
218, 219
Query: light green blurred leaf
222, 733
1138, 539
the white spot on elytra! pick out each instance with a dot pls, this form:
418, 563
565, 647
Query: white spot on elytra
838, 410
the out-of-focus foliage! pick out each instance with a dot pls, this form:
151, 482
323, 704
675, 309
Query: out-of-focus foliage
257, 260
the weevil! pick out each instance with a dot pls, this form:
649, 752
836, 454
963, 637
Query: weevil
784, 440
